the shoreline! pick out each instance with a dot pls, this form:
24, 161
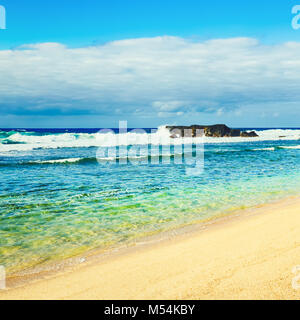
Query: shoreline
35, 286
98, 255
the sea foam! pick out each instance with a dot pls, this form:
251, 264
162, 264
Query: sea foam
26, 141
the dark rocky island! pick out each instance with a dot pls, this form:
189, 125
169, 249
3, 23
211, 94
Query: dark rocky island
217, 130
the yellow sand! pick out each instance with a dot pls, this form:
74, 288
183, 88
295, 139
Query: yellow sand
250, 257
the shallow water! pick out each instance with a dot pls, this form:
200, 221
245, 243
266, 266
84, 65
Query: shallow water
57, 200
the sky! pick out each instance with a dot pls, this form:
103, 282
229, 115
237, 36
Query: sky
92, 63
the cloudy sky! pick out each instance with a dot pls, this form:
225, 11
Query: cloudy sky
93, 63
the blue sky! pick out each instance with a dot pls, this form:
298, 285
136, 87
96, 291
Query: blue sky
123, 88
79, 23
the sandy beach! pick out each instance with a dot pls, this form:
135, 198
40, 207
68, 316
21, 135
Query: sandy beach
250, 256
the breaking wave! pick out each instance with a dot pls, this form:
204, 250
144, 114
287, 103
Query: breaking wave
26, 141
69, 160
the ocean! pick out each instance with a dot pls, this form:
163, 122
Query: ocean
64, 192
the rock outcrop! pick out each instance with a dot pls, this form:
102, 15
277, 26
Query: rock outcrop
251, 134
217, 130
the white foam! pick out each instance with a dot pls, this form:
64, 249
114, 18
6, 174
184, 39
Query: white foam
69, 160
290, 147
264, 149
27, 142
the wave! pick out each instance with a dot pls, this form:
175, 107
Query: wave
148, 156
289, 147
69, 160
264, 149
27, 141
108, 158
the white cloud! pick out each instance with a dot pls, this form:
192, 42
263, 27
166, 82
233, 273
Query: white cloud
166, 76
171, 106
220, 112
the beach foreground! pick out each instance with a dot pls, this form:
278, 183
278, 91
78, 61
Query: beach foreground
250, 256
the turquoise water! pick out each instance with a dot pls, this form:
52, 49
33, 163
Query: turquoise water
57, 200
